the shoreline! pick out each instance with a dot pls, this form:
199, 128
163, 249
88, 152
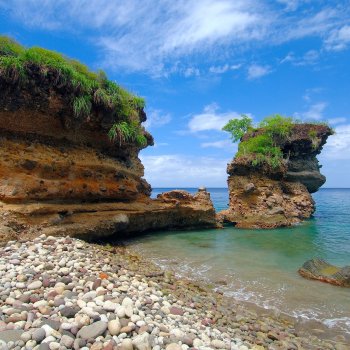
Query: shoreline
109, 297
305, 327
314, 326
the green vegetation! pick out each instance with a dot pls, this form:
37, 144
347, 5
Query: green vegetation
314, 138
124, 132
277, 126
263, 142
238, 127
87, 90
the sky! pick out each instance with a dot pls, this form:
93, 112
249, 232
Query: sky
199, 63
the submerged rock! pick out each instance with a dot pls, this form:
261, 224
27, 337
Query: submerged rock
319, 269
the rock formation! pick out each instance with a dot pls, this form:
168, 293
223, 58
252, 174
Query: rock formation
262, 196
61, 174
318, 269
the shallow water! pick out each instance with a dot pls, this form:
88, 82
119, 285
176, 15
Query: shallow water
260, 266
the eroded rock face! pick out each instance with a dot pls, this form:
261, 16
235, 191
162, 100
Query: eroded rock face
62, 175
319, 269
265, 197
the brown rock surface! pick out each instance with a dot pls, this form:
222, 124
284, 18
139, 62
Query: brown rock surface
266, 197
62, 175
318, 269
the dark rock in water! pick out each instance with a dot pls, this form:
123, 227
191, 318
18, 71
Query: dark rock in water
319, 269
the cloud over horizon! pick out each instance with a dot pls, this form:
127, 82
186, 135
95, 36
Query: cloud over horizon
210, 119
151, 36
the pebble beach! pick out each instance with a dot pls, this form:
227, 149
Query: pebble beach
64, 293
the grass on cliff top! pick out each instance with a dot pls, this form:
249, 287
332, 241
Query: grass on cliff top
265, 145
88, 89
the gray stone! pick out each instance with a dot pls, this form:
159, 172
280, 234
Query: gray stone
69, 311
79, 344
11, 335
93, 331
52, 323
44, 346
39, 335
67, 341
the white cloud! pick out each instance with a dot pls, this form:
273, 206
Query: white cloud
339, 39
156, 118
145, 36
309, 93
317, 24
149, 36
210, 119
224, 68
256, 71
338, 145
335, 121
176, 170
310, 57
315, 112
190, 72
290, 5
217, 144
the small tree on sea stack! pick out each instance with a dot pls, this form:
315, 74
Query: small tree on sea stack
238, 127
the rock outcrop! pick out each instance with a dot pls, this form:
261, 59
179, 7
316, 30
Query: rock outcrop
61, 174
319, 269
262, 196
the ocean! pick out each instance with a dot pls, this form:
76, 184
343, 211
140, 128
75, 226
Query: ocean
260, 266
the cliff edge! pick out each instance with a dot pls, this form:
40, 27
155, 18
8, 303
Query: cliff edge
69, 145
269, 190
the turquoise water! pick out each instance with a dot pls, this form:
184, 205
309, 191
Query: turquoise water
260, 266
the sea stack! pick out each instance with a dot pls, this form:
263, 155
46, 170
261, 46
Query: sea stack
266, 196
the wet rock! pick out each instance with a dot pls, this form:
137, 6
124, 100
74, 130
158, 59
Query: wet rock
319, 269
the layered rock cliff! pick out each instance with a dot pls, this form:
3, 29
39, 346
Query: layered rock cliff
60, 173
262, 196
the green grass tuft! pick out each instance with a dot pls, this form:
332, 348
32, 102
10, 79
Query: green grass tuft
87, 88
9, 47
125, 133
82, 106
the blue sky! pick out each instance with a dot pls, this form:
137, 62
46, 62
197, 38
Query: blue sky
201, 63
